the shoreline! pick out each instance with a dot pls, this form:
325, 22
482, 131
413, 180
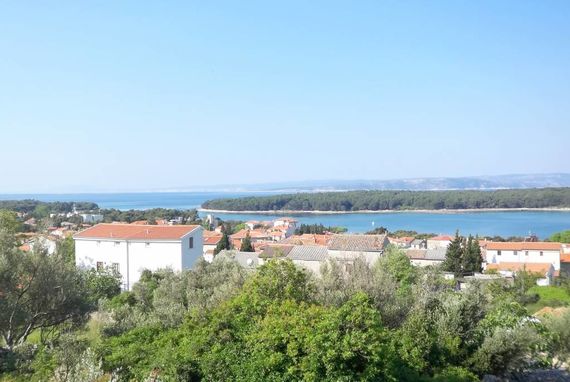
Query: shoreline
442, 211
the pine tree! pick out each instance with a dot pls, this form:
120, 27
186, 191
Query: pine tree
454, 256
246, 245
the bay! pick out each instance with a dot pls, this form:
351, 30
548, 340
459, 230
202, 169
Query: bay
503, 223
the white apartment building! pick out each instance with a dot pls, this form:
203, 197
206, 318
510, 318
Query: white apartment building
523, 252
131, 248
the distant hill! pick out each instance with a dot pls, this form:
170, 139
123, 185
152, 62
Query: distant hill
497, 182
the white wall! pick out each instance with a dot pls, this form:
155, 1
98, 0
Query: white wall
191, 255
424, 262
435, 244
506, 256
313, 266
369, 257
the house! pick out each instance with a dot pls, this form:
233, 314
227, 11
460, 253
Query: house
510, 269
418, 244
289, 225
91, 218
401, 242
257, 236
523, 252
425, 257
210, 242
49, 244
130, 249
248, 260
441, 241
310, 257
350, 247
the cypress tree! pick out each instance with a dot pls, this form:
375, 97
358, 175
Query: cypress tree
472, 256
224, 243
246, 245
454, 256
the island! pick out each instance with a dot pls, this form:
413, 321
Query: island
368, 201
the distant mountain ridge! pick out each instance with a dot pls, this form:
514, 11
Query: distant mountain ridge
495, 182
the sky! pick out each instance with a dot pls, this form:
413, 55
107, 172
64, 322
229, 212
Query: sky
140, 95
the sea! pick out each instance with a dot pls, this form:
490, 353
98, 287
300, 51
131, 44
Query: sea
502, 223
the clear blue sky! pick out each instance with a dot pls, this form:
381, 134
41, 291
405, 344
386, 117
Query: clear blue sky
140, 95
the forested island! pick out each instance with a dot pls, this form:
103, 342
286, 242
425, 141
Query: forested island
354, 201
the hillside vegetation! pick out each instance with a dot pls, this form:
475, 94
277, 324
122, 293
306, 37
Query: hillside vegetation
398, 200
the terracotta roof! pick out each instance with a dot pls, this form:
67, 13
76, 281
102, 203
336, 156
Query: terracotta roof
211, 237
357, 243
271, 251
241, 234
427, 254
524, 245
529, 267
442, 238
212, 240
134, 232
308, 239
416, 253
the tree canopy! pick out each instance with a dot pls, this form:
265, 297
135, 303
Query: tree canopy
397, 200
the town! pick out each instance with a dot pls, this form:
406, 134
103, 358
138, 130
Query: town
163, 242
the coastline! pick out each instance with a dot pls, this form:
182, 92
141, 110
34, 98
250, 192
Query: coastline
442, 211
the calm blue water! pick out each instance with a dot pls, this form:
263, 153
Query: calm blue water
540, 223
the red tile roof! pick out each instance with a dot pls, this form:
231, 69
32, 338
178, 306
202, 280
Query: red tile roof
134, 232
524, 245
212, 237
529, 267
442, 238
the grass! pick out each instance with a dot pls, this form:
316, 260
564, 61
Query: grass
551, 296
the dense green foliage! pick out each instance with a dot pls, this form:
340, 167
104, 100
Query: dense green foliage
31, 206
318, 229
398, 200
151, 215
561, 237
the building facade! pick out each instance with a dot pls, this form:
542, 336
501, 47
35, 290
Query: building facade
131, 249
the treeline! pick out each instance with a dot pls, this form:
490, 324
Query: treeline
318, 229
151, 215
398, 200
31, 205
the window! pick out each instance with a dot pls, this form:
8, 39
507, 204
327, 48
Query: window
116, 267
98, 243
99, 266
191, 243
526, 253
516, 253
117, 243
498, 253
541, 253
147, 245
